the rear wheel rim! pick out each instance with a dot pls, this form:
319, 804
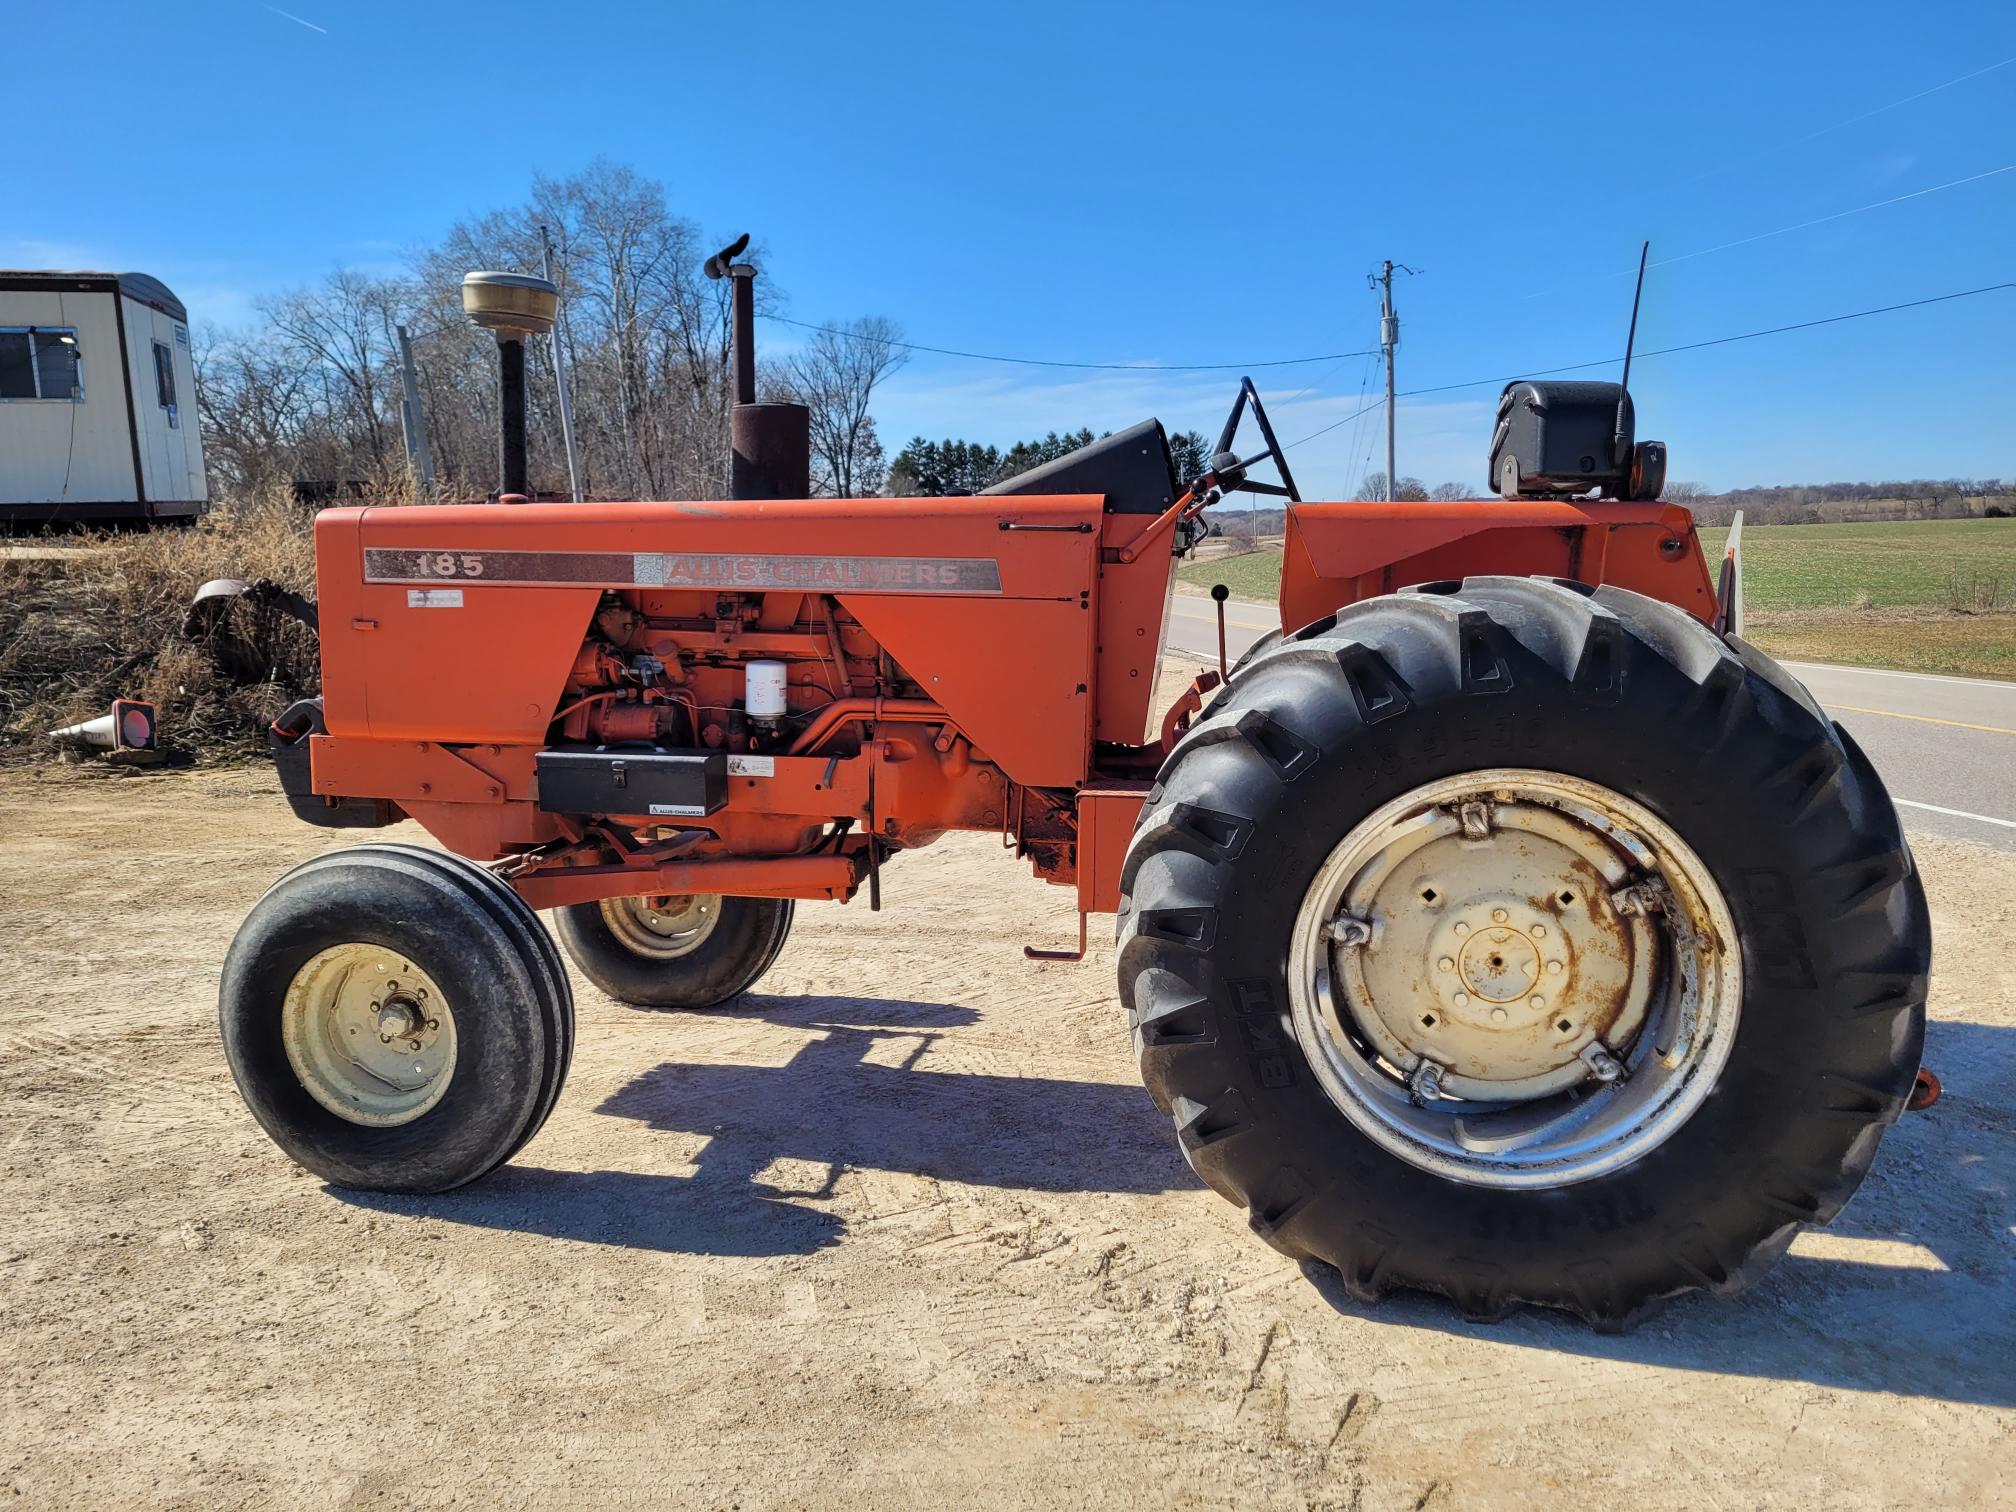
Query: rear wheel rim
370, 1035
663, 928
1515, 978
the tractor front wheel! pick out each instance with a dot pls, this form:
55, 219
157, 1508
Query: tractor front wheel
688, 951
1526, 944
396, 1018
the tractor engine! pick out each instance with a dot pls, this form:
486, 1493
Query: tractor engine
736, 676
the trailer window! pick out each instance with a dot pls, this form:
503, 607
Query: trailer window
164, 381
39, 362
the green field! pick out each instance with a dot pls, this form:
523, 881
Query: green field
1931, 595
1254, 575
1905, 564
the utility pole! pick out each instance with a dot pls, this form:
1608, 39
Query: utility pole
560, 372
411, 418
1389, 338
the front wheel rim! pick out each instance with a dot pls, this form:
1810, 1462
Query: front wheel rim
371, 1036
1515, 978
663, 928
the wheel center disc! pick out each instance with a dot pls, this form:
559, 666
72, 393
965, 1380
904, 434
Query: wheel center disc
369, 1034
1514, 977
1499, 966
665, 927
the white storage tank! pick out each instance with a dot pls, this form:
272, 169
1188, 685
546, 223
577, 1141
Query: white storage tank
97, 401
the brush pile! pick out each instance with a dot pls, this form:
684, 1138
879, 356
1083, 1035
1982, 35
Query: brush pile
85, 619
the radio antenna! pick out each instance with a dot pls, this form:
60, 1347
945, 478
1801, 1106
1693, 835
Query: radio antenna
1619, 441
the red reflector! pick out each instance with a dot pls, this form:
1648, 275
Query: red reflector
136, 724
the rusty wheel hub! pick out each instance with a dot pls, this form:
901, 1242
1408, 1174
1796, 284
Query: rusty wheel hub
1515, 978
663, 927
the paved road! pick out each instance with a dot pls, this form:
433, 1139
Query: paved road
1946, 746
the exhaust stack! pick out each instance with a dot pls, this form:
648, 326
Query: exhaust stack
512, 306
771, 444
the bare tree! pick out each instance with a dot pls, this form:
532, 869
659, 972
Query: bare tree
249, 397
341, 333
314, 394
1449, 493
834, 376
1409, 490
644, 334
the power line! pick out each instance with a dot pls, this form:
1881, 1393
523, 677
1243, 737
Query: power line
1691, 346
1111, 367
1354, 415
1744, 241
1838, 125
1318, 381
1838, 215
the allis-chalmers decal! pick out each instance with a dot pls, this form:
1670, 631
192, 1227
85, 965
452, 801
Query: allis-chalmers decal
669, 569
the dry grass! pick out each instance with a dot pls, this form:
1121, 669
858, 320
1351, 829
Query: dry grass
77, 630
1925, 640
1972, 591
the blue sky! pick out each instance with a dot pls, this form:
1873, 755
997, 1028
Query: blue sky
1153, 184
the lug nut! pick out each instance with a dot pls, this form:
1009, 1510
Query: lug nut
1426, 1082
1346, 930
1445, 964
1602, 1064
1536, 1001
1554, 968
1462, 929
1499, 916
1539, 931
1462, 998
384, 1039
1498, 1015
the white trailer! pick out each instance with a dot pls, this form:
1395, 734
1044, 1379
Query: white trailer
97, 401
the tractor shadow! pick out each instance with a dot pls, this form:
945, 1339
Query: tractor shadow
859, 1093
852, 1096
1912, 1290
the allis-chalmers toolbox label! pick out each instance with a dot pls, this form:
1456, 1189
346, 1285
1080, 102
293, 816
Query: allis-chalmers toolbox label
669, 569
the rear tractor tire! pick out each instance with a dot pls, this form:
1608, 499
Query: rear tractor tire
689, 951
1524, 943
396, 1018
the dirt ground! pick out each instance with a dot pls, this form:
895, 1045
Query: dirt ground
901, 1230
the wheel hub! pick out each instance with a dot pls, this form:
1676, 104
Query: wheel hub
369, 1034
1480, 964
1496, 953
663, 927
1498, 966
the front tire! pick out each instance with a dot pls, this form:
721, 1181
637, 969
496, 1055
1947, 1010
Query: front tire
1538, 694
688, 951
396, 1018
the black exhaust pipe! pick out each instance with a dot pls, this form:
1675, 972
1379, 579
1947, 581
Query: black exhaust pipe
511, 414
770, 444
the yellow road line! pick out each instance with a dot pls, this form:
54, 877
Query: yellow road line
1956, 724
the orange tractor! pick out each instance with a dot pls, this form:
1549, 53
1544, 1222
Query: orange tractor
1501, 928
